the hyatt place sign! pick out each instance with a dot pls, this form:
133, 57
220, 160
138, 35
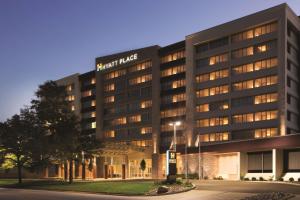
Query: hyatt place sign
114, 63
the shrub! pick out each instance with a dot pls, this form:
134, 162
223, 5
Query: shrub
291, 179
246, 179
205, 177
179, 181
271, 178
218, 178
280, 179
261, 179
253, 179
298, 179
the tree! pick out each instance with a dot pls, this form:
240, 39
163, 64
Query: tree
143, 166
62, 125
17, 142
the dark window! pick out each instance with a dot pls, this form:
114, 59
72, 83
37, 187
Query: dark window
289, 115
201, 48
288, 81
202, 62
259, 162
218, 43
288, 99
244, 101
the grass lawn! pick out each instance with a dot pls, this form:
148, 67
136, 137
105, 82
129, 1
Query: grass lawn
110, 187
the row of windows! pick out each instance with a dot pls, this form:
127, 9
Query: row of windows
172, 112
142, 131
216, 121
249, 34
218, 59
173, 98
109, 87
89, 115
223, 105
140, 79
250, 67
142, 143
70, 98
135, 106
265, 132
172, 56
212, 76
256, 83
223, 89
173, 84
140, 66
258, 116
173, 71
214, 137
115, 74
167, 128
249, 51
131, 119
88, 104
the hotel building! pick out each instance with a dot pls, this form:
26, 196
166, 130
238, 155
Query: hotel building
234, 88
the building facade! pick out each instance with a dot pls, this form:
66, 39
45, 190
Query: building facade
234, 88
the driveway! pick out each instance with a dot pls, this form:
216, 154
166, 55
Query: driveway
205, 190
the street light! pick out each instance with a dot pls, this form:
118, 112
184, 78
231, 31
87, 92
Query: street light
174, 124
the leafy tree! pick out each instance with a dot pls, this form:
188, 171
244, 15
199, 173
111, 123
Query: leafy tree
17, 143
62, 125
143, 166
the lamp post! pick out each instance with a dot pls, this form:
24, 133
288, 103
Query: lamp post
199, 157
174, 124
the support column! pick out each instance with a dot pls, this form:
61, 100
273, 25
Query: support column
243, 164
105, 171
155, 166
277, 163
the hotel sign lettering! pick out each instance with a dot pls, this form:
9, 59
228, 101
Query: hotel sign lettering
117, 62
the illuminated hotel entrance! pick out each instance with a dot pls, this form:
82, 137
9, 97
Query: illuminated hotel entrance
135, 169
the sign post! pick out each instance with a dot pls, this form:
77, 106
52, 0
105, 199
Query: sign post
171, 163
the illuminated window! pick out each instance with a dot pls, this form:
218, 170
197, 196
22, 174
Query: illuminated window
70, 87
202, 108
87, 93
115, 74
140, 66
142, 143
93, 103
243, 118
216, 121
72, 107
262, 48
109, 134
266, 132
172, 112
140, 79
109, 87
93, 80
178, 98
93, 124
70, 98
119, 121
218, 59
259, 65
212, 91
266, 98
172, 56
260, 82
265, 115
268, 28
109, 99
146, 104
214, 137
212, 76
135, 118
173, 71
146, 130
178, 83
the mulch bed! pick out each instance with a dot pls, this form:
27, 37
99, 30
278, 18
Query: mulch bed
271, 196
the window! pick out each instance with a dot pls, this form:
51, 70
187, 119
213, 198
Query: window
93, 103
72, 108
214, 137
216, 121
212, 76
119, 121
212, 91
259, 65
70, 87
212, 44
71, 98
89, 114
265, 132
93, 124
249, 34
140, 66
178, 83
243, 118
109, 99
265, 115
140, 79
218, 59
265, 98
109, 87
142, 143
248, 51
146, 104
202, 108
178, 98
93, 80
172, 112
135, 118
173, 71
114, 74
260, 82
172, 56
146, 130
87, 93
109, 134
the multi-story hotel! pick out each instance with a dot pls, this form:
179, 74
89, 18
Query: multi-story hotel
234, 88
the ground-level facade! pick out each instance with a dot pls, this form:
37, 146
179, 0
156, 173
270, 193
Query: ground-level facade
234, 88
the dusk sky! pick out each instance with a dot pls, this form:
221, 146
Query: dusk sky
48, 39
